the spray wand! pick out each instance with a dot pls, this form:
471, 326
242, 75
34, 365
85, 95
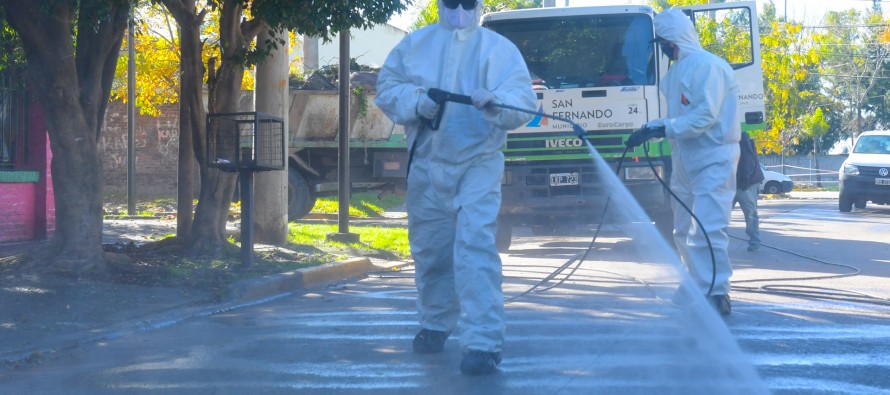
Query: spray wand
441, 97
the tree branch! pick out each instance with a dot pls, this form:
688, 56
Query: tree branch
252, 28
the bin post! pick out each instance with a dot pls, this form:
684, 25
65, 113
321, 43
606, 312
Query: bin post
245, 177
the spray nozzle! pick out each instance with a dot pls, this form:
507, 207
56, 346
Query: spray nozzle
582, 134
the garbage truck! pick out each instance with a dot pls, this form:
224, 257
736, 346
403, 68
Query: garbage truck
594, 65
377, 156
598, 67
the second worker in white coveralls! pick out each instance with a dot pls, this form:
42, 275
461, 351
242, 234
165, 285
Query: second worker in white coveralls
702, 98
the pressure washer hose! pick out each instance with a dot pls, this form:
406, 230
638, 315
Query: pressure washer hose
582, 134
441, 97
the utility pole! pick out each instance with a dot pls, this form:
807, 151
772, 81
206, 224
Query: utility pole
343, 235
131, 113
782, 132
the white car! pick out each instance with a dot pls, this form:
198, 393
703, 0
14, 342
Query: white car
865, 175
774, 182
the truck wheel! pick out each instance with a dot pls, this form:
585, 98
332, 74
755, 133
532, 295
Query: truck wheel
844, 203
504, 236
859, 203
300, 199
772, 188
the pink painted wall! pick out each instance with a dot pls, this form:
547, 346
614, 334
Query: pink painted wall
17, 208
27, 208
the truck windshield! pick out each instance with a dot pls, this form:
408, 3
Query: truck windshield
584, 51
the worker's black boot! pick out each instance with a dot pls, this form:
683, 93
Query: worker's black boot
428, 341
721, 303
477, 363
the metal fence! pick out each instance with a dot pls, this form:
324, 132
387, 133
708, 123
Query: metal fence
802, 169
13, 120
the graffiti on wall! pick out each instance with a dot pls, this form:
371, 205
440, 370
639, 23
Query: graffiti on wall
168, 139
156, 147
113, 147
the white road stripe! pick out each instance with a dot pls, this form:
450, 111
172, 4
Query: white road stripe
815, 386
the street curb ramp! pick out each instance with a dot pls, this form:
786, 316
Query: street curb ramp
303, 279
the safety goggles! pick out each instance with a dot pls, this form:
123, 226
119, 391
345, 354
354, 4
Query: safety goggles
466, 4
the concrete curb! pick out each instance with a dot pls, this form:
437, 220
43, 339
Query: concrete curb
248, 290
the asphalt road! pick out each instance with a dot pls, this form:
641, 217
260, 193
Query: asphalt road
607, 329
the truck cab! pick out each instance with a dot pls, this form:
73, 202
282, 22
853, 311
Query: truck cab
598, 67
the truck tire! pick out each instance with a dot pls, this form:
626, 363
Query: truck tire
860, 203
300, 199
844, 203
504, 236
772, 188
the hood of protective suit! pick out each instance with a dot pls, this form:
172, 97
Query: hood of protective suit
476, 16
675, 26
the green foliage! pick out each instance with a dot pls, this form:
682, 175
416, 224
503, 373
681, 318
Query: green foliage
12, 56
726, 36
323, 18
427, 16
217, 273
789, 59
814, 124
387, 241
361, 99
361, 205
659, 5
855, 51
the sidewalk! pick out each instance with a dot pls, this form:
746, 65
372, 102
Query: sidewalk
42, 316
813, 194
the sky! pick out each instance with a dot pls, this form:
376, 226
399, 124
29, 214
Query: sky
809, 12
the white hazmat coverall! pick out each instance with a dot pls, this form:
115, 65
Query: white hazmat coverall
702, 95
454, 182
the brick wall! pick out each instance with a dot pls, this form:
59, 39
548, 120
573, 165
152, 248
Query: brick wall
17, 205
157, 144
27, 205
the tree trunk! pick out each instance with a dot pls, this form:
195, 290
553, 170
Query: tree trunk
73, 89
207, 231
271, 93
816, 161
191, 112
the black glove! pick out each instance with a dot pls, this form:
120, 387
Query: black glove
643, 135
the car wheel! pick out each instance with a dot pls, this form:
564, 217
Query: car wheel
300, 199
504, 236
772, 188
859, 203
844, 203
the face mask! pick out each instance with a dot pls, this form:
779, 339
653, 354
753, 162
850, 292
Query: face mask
459, 17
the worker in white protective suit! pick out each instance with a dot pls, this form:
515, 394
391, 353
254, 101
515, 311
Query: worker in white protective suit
455, 172
701, 126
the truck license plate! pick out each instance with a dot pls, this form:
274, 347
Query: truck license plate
562, 179
878, 181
